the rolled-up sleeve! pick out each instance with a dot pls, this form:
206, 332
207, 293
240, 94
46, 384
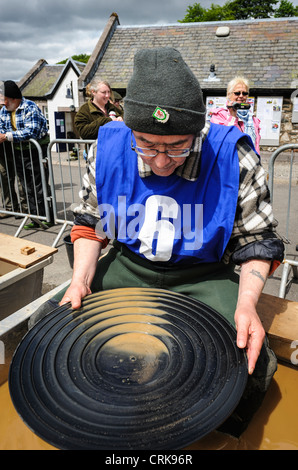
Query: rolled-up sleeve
254, 233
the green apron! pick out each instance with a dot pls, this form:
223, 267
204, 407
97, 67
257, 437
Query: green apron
215, 284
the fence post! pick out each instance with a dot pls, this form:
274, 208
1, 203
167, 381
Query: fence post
2, 353
287, 263
17, 166
65, 181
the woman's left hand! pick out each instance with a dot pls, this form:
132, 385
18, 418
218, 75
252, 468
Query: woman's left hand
250, 333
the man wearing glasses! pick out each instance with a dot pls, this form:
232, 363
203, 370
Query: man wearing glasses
183, 200
236, 115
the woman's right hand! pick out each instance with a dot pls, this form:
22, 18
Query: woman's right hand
86, 255
74, 294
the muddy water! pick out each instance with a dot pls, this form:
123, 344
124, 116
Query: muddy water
14, 434
273, 427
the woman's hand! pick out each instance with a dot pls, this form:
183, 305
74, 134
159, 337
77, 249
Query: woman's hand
86, 254
75, 293
114, 118
250, 331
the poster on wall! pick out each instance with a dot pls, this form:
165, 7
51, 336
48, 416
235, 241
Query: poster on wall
220, 102
214, 102
269, 110
295, 110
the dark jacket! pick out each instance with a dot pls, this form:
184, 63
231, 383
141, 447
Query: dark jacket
89, 118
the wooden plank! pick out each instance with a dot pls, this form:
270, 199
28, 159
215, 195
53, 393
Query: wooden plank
280, 321
22, 252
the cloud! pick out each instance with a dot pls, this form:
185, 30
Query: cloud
54, 30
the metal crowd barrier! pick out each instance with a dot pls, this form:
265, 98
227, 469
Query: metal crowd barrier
288, 263
24, 189
61, 174
66, 158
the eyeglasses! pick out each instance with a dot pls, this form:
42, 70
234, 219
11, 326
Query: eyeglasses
150, 153
238, 93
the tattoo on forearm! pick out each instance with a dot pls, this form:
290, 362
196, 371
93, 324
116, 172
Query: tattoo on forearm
258, 274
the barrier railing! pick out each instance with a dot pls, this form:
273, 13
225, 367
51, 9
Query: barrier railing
24, 189
66, 170
288, 263
60, 179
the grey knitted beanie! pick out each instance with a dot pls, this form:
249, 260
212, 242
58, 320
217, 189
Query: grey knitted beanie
163, 95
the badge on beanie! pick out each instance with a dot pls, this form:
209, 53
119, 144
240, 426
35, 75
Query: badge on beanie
161, 115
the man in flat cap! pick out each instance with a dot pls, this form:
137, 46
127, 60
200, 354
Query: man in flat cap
184, 201
21, 120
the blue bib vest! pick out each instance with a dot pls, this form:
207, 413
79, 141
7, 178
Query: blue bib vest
168, 219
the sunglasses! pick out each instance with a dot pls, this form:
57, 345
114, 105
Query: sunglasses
238, 93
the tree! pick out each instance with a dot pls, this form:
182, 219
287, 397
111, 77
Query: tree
196, 13
80, 58
239, 10
285, 9
255, 9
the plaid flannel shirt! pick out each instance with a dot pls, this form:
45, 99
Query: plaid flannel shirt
30, 122
254, 220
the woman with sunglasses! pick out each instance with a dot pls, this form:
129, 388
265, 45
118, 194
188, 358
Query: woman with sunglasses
233, 115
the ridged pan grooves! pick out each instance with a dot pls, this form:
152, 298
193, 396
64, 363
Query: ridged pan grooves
133, 369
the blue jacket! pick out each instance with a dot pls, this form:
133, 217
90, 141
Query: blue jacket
168, 219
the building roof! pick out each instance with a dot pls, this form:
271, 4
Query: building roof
43, 79
265, 51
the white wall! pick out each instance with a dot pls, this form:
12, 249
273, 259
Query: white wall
60, 101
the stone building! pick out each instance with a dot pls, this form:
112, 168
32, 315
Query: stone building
264, 51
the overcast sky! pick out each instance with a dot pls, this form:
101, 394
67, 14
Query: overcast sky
57, 29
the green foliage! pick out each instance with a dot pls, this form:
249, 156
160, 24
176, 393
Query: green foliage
80, 58
286, 9
239, 10
196, 13
255, 9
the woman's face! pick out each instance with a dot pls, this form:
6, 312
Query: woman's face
102, 95
239, 94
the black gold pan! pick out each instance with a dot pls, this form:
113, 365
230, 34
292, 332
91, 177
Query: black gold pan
133, 369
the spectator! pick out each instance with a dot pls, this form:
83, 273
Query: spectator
184, 201
117, 99
7, 173
21, 120
10, 200
97, 111
232, 115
